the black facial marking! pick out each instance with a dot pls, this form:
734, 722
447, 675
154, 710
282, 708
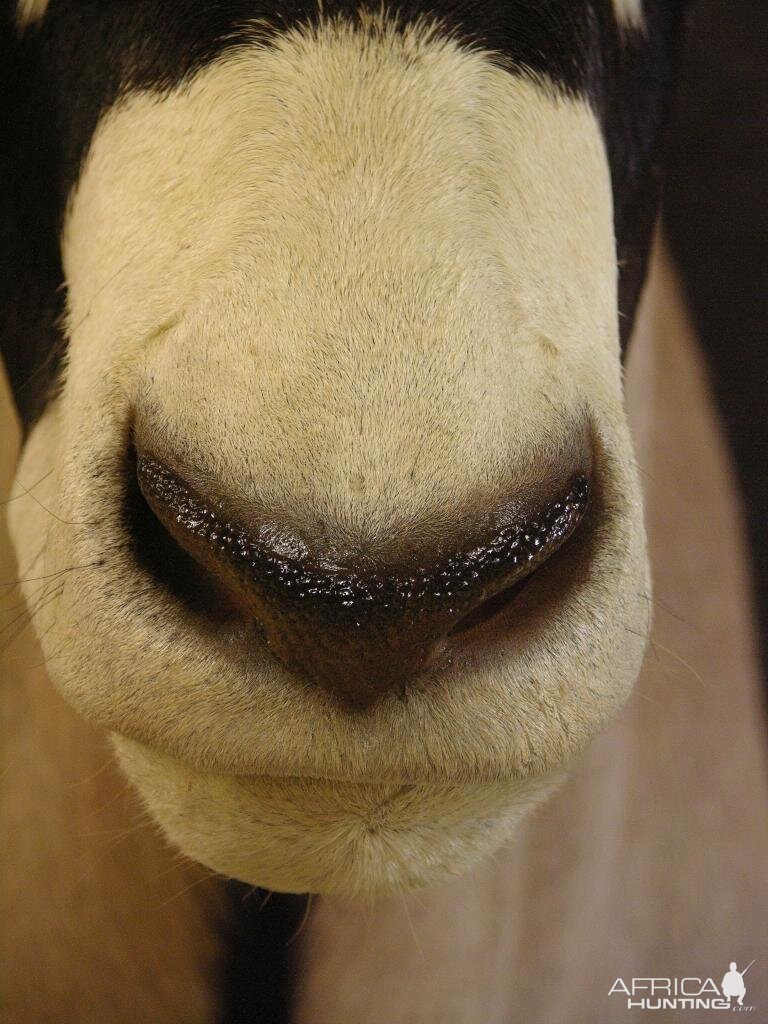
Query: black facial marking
259, 972
31, 278
640, 73
62, 74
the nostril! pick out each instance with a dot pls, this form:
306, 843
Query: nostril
159, 554
356, 632
489, 609
524, 549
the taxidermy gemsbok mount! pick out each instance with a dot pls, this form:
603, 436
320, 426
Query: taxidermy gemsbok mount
328, 515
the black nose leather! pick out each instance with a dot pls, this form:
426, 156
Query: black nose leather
357, 631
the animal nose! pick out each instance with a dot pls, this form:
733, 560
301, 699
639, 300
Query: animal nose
361, 630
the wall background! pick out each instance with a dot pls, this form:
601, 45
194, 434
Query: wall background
716, 216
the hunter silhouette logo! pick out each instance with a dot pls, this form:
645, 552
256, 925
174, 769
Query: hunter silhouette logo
689, 993
733, 983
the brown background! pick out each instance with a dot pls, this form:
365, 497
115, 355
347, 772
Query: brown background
716, 215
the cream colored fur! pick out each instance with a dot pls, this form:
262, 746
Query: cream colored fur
30, 11
629, 12
362, 279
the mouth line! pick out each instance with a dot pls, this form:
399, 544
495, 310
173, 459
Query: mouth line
394, 789
395, 782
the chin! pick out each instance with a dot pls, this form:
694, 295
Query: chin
320, 836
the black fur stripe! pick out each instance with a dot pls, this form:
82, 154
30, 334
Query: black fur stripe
258, 978
31, 293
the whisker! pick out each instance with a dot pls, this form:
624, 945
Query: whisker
48, 657
643, 635
25, 601
50, 575
7, 501
36, 559
176, 895
64, 522
27, 610
409, 919
112, 760
302, 923
656, 647
665, 607
101, 856
649, 700
700, 679
644, 472
30, 615
265, 900
649, 640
